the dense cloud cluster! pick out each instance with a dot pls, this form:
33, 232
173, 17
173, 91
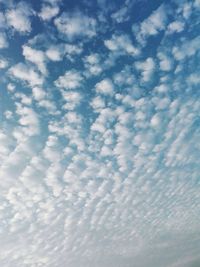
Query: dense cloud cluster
100, 133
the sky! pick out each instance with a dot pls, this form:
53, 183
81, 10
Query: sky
99, 133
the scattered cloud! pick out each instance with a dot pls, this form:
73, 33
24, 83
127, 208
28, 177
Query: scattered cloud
3, 41
70, 80
18, 18
26, 74
99, 144
76, 25
48, 12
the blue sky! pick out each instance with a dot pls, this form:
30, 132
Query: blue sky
99, 136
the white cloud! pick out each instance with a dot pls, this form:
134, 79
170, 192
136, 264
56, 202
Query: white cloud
186, 49
54, 54
38, 93
121, 44
11, 87
2, 20
70, 80
121, 15
98, 103
3, 41
166, 62
194, 79
72, 99
61, 51
24, 99
29, 120
19, 18
3, 63
125, 77
76, 25
35, 56
49, 105
92, 59
101, 168
175, 26
156, 120
48, 12
147, 68
151, 26
105, 87
8, 114
73, 49
93, 64
26, 74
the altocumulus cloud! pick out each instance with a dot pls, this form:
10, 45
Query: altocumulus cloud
100, 133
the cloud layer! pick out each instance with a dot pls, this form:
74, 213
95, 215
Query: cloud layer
99, 137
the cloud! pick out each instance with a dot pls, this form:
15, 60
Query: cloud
3, 41
175, 26
26, 74
3, 63
70, 80
93, 64
48, 12
28, 120
147, 69
99, 155
35, 56
166, 62
186, 49
72, 100
76, 25
19, 18
2, 20
151, 26
105, 87
121, 44
54, 54
38, 93
121, 15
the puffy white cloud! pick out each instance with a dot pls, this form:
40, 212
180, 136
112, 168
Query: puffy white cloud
19, 18
72, 50
3, 63
100, 167
175, 26
76, 25
105, 87
26, 74
186, 49
48, 12
8, 114
72, 99
194, 79
54, 54
35, 56
38, 93
147, 69
166, 62
70, 80
156, 120
121, 15
121, 44
151, 26
93, 64
29, 120
125, 77
98, 103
